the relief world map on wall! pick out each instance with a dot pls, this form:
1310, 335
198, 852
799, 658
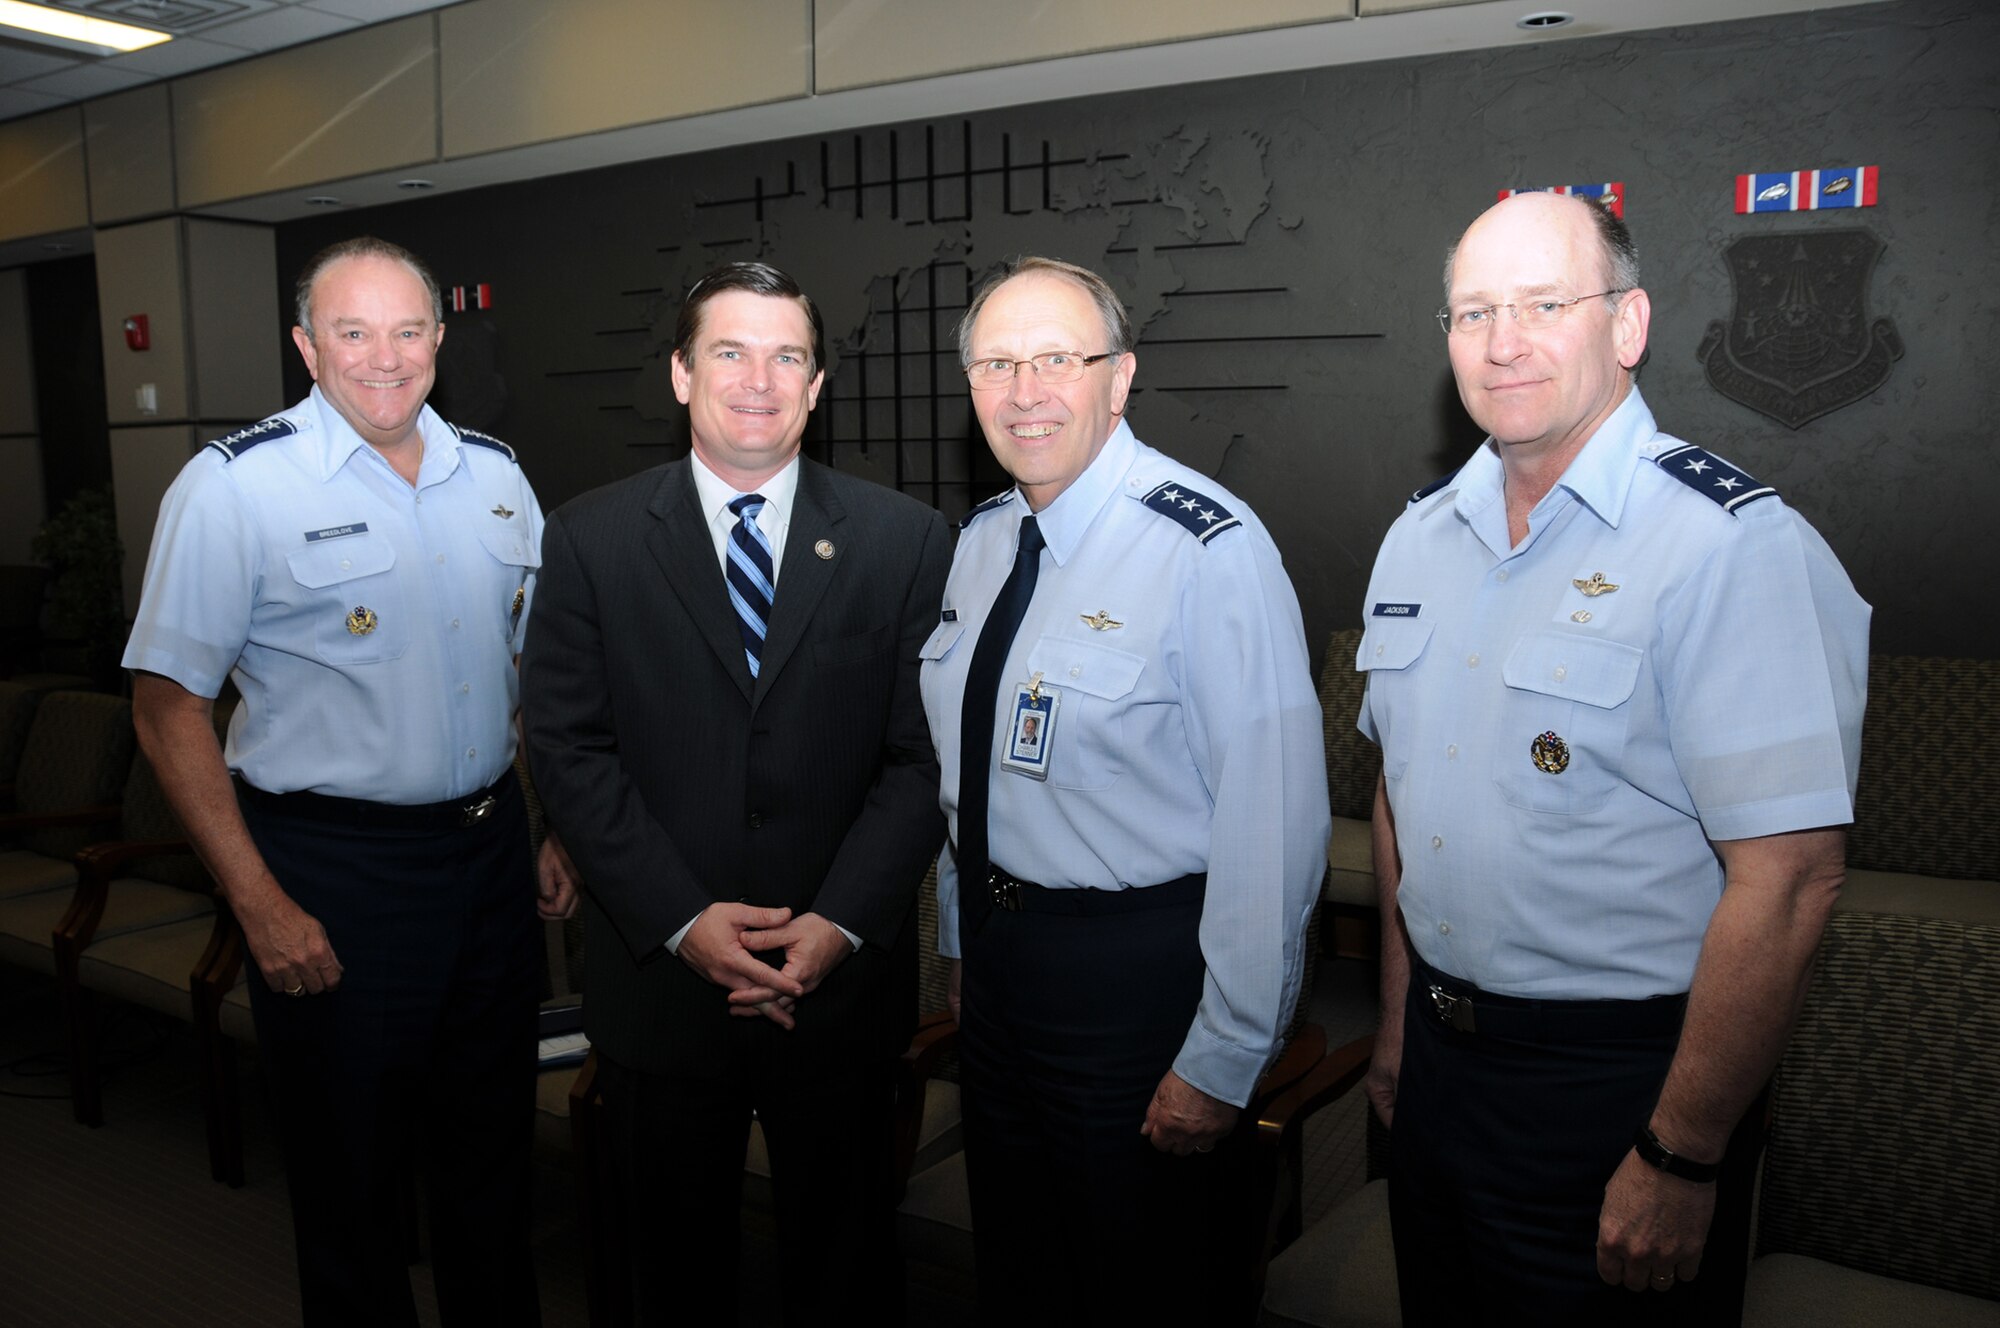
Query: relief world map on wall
890, 239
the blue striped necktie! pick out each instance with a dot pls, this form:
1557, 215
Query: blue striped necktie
751, 583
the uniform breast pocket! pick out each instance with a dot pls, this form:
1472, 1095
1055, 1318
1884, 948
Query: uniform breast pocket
518, 559
1390, 648
1097, 684
1563, 730
936, 651
349, 586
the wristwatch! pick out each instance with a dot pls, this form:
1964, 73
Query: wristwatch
1662, 1158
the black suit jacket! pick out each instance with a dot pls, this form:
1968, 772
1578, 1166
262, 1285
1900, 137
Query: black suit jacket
677, 780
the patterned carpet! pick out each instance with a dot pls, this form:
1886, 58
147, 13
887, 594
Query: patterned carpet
120, 1227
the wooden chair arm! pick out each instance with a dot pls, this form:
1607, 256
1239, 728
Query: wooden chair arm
936, 1037
1335, 1073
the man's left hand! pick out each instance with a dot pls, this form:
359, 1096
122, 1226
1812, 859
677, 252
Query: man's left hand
1182, 1119
1652, 1228
813, 948
555, 881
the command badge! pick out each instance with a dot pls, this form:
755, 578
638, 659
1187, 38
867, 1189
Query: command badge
1551, 754
361, 621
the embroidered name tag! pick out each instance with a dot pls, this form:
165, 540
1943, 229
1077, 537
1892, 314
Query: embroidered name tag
1397, 610
335, 532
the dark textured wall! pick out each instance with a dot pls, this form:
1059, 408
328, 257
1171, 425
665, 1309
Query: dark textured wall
1279, 239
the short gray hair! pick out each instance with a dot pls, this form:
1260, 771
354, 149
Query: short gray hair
1117, 323
362, 246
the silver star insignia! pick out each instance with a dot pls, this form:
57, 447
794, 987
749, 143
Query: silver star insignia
1172, 495
1207, 515
1697, 466
1727, 482
1191, 504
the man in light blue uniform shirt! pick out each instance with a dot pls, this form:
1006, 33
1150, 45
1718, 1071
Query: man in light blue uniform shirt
1618, 687
1131, 943
362, 570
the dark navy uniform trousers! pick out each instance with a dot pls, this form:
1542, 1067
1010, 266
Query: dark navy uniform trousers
424, 1057
1504, 1139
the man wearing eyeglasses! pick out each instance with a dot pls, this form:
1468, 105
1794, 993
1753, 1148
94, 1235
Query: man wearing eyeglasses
1127, 893
1618, 688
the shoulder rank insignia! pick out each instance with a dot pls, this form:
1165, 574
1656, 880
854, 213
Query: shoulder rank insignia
1203, 516
984, 508
236, 444
1433, 487
1713, 478
486, 440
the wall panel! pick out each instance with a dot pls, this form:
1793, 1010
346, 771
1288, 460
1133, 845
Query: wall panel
859, 43
526, 71
42, 185
139, 272
129, 140
360, 102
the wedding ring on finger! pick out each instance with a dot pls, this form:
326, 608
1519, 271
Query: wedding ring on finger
299, 990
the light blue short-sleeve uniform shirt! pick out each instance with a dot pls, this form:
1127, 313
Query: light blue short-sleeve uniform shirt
1187, 738
1671, 656
371, 626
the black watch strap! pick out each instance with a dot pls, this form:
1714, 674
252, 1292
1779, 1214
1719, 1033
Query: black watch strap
1660, 1157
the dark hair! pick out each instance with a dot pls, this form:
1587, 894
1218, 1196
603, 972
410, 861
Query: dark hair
758, 279
362, 246
1117, 324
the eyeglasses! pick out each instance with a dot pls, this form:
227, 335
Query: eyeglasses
1056, 366
1531, 315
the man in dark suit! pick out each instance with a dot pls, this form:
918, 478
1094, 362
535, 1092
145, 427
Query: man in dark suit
724, 721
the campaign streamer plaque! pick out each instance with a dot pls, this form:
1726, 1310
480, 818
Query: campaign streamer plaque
1799, 343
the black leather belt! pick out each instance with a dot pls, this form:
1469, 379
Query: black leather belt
1010, 894
1464, 1008
452, 814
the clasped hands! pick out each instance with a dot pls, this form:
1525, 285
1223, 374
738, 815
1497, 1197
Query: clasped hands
725, 940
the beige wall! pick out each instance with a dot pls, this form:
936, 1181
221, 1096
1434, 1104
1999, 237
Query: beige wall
41, 174
526, 71
235, 329
139, 270
365, 101
858, 43
129, 141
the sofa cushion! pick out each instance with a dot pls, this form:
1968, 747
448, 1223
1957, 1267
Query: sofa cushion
1976, 903
1350, 865
1790, 1289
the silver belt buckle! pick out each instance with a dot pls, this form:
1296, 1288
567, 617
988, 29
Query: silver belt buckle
1453, 1011
479, 811
1006, 893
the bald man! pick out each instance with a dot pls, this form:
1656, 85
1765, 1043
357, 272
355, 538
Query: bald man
1618, 685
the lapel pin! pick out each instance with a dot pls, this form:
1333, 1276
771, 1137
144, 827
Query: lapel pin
1596, 585
362, 620
1549, 753
500, 510
1100, 621
1580, 616
824, 548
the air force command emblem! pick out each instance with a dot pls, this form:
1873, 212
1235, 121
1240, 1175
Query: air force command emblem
1798, 344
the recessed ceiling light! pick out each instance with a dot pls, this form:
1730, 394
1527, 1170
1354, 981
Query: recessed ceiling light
416, 184
1544, 19
94, 36
322, 200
